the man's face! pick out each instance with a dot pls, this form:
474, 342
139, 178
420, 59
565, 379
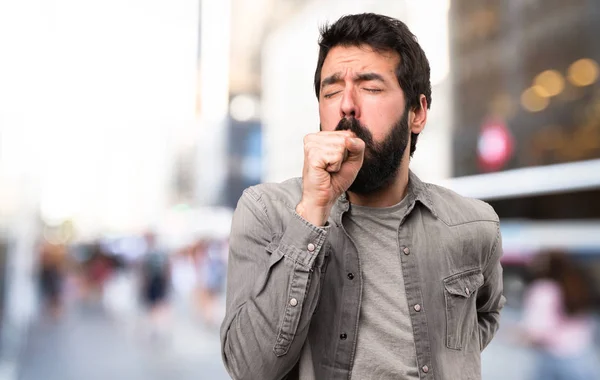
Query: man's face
360, 92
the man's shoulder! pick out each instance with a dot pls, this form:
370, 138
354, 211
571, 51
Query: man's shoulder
456, 209
287, 192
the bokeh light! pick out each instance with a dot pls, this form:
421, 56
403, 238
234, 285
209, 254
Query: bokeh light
549, 83
532, 101
583, 72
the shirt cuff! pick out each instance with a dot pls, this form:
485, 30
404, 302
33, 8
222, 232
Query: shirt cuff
302, 241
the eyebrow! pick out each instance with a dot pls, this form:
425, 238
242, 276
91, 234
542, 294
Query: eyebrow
362, 77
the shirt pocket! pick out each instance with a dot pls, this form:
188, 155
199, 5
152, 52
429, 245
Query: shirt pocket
461, 310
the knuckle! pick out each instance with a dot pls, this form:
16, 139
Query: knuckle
313, 155
309, 146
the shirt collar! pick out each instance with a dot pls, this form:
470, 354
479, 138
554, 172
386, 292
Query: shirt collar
416, 191
420, 191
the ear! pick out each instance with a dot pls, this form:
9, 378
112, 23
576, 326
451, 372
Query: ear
419, 116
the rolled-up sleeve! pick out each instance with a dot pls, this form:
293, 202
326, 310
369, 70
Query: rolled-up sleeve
272, 290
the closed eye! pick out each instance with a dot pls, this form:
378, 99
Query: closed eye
327, 96
373, 90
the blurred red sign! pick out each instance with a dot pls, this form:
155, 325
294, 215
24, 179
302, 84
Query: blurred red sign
495, 145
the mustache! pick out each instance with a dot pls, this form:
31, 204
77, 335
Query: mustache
353, 125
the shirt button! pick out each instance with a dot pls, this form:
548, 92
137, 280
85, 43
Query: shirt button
293, 302
351, 276
417, 307
406, 251
311, 247
468, 291
425, 369
343, 336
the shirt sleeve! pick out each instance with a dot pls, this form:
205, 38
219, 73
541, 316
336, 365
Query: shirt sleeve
273, 285
490, 298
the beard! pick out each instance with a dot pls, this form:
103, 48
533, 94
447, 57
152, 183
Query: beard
381, 159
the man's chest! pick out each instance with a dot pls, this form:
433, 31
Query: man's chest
430, 248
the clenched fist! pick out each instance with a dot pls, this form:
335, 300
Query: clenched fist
331, 162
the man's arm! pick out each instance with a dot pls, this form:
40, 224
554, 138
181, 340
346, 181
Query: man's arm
272, 290
490, 299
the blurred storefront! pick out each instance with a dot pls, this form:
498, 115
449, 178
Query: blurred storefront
526, 122
244, 155
526, 83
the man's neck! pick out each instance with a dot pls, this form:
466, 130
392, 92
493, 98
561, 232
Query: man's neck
388, 196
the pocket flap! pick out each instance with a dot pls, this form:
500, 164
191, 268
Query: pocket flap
464, 284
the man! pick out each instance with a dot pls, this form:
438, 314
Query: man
358, 269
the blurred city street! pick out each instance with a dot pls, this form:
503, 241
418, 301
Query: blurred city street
60, 350
130, 130
90, 343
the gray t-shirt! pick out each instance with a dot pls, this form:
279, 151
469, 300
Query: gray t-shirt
386, 347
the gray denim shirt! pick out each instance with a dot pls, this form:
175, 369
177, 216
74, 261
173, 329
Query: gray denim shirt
294, 289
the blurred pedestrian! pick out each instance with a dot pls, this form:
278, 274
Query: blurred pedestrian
558, 322
51, 277
184, 278
212, 280
155, 284
98, 268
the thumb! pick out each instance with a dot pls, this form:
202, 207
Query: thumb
355, 148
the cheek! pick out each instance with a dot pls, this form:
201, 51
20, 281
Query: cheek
329, 117
380, 118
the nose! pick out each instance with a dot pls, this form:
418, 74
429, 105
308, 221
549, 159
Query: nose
349, 106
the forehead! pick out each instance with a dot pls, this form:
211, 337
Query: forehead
359, 58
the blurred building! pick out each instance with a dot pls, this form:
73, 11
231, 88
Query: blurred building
94, 98
530, 67
526, 121
228, 145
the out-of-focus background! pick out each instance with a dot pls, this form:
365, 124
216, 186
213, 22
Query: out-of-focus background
128, 130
